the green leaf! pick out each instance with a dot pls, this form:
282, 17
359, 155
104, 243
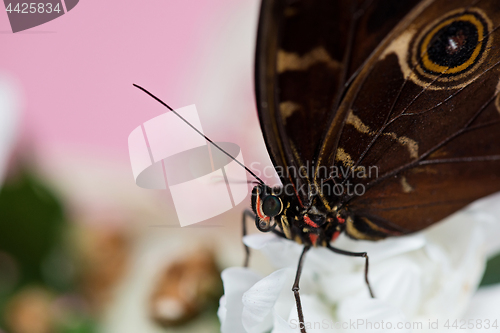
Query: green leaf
31, 225
492, 272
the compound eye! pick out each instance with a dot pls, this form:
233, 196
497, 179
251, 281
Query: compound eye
272, 206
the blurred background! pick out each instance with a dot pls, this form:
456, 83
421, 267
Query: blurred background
82, 248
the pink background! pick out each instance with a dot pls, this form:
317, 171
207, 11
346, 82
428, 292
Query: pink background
74, 76
74, 79
76, 72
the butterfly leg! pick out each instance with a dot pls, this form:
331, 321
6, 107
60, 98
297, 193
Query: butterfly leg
296, 289
246, 213
356, 254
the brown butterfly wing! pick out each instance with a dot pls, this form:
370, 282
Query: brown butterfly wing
429, 130
306, 52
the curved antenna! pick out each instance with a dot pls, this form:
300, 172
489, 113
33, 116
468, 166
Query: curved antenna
203, 135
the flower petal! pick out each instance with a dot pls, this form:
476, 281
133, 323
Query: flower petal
484, 305
222, 310
398, 282
259, 300
371, 315
237, 281
383, 249
9, 114
459, 260
487, 212
281, 326
281, 252
259, 241
317, 315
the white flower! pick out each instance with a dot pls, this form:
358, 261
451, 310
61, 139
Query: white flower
420, 279
9, 114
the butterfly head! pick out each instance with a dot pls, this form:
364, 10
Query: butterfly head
267, 206
275, 210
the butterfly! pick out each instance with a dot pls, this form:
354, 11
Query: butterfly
381, 117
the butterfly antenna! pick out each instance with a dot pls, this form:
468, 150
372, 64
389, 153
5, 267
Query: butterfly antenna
203, 135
